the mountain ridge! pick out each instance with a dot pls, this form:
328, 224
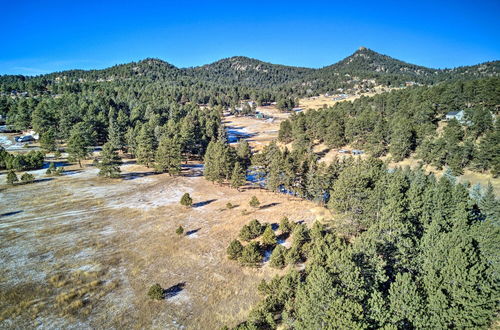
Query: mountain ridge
363, 69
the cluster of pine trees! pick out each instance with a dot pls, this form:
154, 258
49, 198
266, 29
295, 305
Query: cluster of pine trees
31, 160
146, 120
420, 252
224, 163
404, 121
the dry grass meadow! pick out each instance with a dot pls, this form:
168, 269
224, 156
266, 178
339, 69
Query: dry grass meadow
79, 251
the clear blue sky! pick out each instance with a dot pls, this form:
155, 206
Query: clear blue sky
45, 36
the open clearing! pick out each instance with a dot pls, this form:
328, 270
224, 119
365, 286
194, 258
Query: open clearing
80, 251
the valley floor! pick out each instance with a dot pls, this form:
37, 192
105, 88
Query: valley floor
81, 251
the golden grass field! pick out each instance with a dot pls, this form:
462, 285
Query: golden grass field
79, 251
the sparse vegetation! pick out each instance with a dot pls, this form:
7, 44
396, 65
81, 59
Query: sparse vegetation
186, 200
155, 292
254, 202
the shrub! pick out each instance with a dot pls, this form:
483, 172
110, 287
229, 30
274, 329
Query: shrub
12, 178
156, 292
229, 206
234, 250
278, 257
268, 238
179, 231
27, 178
186, 200
251, 256
254, 202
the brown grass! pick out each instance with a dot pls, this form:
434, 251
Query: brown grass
88, 257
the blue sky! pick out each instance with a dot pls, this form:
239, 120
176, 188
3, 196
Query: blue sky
45, 36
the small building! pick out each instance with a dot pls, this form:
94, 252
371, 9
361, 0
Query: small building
458, 115
298, 109
357, 152
344, 151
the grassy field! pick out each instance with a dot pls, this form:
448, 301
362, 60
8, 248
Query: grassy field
80, 251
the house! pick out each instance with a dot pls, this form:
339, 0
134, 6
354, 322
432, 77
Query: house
458, 115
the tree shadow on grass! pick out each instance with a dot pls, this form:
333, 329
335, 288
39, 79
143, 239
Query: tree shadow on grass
268, 205
200, 204
43, 180
174, 290
136, 175
6, 214
191, 232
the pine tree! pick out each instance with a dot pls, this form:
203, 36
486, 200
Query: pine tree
234, 250
79, 143
27, 178
168, 156
12, 177
254, 202
402, 139
116, 135
186, 200
145, 146
459, 283
244, 153
180, 230
277, 259
251, 256
48, 140
406, 303
109, 165
238, 177
285, 226
489, 205
269, 237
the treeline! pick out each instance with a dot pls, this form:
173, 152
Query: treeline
406, 250
406, 121
31, 160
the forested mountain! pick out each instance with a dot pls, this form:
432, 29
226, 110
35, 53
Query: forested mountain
246, 71
363, 70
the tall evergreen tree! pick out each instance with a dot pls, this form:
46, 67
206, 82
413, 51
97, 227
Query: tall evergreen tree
109, 165
238, 176
145, 146
168, 156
